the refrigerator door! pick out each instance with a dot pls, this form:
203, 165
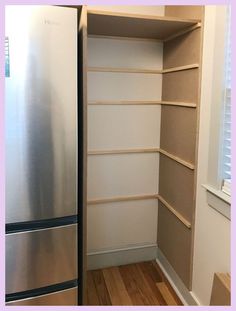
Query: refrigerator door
66, 297
40, 258
41, 112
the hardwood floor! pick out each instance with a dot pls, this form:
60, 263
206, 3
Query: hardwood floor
135, 284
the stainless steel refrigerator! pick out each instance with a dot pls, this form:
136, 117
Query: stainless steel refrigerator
41, 114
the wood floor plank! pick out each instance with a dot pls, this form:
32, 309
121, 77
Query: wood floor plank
152, 277
136, 277
156, 266
92, 296
132, 285
116, 287
104, 298
166, 294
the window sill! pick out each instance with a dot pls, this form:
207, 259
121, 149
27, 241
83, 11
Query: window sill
218, 200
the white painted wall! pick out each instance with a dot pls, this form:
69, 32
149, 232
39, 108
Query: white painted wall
212, 230
122, 225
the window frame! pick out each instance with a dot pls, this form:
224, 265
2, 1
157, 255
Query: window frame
216, 198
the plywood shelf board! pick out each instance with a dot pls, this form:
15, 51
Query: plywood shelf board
173, 211
180, 68
122, 151
182, 32
141, 102
141, 197
124, 70
122, 199
142, 150
141, 70
135, 25
177, 159
124, 38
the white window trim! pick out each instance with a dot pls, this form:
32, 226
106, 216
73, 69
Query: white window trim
216, 198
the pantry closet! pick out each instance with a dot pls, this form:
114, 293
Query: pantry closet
141, 90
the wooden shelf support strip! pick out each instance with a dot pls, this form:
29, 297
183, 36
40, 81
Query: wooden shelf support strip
180, 104
173, 211
140, 70
140, 197
124, 70
122, 151
126, 102
182, 32
122, 199
141, 102
124, 38
180, 68
177, 159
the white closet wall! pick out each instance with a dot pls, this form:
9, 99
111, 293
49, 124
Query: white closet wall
125, 224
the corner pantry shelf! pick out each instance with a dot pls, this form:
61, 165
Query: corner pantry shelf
141, 102
139, 70
138, 26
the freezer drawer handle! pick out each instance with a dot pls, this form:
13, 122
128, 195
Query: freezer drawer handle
40, 224
41, 291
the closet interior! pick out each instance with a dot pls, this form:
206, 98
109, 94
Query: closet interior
142, 98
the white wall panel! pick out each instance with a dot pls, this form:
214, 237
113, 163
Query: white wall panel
122, 224
123, 127
124, 86
121, 175
124, 53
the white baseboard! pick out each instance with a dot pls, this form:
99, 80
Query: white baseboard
123, 256
181, 290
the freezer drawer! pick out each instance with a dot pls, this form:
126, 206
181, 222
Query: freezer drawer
62, 298
40, 258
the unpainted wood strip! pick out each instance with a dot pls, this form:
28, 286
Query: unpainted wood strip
182, 32
196, 147
142, 102
166, 294
182, 104
177, 159
122, 199
124, 70
173, 211
122, 151
126, 102
116, 287
221, 291
141, 70
143, 16
180, 68
124, 38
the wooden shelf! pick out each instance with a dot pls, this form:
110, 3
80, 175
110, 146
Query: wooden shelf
140, 102
141, 197
123, 151
122, 199
173, 211
124, 70
177, 159
136, 26
141, 70
180, 68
